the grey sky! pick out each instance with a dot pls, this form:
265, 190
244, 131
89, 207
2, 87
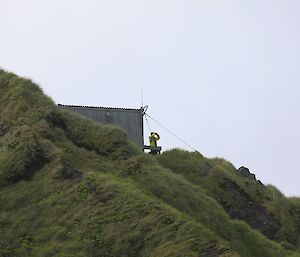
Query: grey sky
223, 75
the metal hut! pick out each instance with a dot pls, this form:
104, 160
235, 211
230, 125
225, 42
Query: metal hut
130, 120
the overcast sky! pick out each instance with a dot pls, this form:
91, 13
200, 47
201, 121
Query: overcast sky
221, 74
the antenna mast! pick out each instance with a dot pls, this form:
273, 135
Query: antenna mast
142, 97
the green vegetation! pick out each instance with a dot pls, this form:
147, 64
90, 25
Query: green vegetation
263, 207
69, 187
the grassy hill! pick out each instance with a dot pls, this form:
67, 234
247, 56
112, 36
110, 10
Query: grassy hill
69, 187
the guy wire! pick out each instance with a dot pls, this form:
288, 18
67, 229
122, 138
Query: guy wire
180, 139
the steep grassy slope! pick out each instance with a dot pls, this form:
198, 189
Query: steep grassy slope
262, 207
69, 187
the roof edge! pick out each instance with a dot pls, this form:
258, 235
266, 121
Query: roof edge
99, 107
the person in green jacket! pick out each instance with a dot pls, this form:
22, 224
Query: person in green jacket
154, 137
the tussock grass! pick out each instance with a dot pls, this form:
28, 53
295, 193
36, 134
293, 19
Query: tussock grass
69, 187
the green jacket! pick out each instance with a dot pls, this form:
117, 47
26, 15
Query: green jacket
154, 137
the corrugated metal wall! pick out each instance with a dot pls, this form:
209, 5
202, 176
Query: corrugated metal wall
131, 120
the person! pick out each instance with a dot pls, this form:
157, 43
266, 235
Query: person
154, 137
